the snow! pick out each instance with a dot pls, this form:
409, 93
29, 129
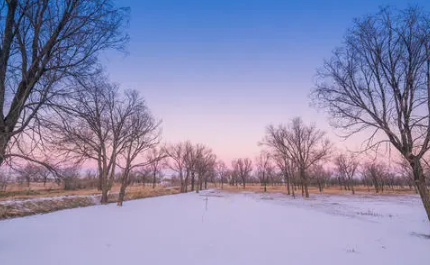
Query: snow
224, 228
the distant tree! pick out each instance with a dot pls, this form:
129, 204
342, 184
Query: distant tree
275, 140
222, 172
70, 177
155, 156
264, 168
31, 172
375, 172
380, 80
346, 167
321, 176
205, 165
192, 156
242, 168
304, 145
177, 162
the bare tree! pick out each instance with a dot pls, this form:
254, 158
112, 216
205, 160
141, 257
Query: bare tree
346, 167
375, 172
43, 43
205, 165
276, 141
141, 135
302, 144
264, 168
242, 168
177, 162
288, 170
156, 157
92, 122
380, 80
32, 172
321, 176
192, 153
70, 177
222, 172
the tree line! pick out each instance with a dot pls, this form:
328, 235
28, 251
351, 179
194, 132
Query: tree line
57, 105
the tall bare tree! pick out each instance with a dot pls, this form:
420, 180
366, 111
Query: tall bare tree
177, 162
222, 172
346, 167
156, 156
275, 140
142, 134
92, 122
192, 156
264, 168
305, 146
242, 168
42, 43
321, 176
205, 165
375, 172
380, 80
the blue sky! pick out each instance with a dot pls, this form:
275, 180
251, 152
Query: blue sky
218, 72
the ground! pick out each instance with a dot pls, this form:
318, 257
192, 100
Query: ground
216, 227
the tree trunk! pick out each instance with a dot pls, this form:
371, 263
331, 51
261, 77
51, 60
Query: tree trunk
104, 187
351, 184
287, 179
182, 183
124, 183
420, 183
192, 181
121, 193
2, 154
305, 183
154, 180
293, 187
104, 199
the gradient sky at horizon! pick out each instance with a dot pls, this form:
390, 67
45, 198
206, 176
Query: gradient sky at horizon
218, 72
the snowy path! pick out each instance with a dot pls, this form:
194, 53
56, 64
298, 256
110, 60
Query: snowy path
222, 228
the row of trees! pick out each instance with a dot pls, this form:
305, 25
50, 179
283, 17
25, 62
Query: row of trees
378, 81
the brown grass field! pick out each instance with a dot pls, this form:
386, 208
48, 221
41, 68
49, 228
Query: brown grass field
38, 190
331, 190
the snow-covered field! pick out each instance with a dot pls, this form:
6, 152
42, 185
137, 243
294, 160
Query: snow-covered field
223, 228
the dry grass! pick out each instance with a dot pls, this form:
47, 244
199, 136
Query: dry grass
38, 190
332, 190
19, 205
